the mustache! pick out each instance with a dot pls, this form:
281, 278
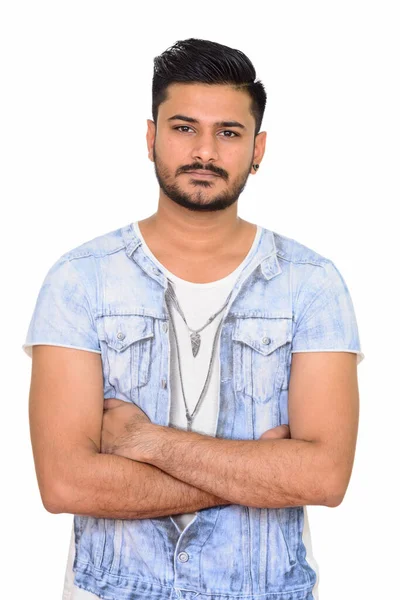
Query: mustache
200, 167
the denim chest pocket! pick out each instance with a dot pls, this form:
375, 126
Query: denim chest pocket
126, 342
260, 352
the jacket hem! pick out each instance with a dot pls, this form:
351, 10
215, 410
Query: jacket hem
109, 586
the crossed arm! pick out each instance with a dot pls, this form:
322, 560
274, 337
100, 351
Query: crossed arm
177, 471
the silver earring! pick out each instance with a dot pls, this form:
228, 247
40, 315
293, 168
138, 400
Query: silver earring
255, 167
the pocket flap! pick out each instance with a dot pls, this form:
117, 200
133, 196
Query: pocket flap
120, 331
263, 334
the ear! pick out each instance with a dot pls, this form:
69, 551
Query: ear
259, 149
150, 138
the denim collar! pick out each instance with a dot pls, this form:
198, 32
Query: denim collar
265, 255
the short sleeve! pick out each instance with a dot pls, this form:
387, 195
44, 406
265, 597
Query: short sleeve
326, 320
62, 315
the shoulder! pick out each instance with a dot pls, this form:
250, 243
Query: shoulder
98, 247
79, 269
86, 258
305, 263
307, 272
314, 280
296, 252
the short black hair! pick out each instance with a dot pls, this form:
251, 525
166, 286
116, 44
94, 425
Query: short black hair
202, 61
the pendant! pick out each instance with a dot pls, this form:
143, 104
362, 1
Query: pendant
189, 419
195, 339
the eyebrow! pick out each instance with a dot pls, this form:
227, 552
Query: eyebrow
217, 124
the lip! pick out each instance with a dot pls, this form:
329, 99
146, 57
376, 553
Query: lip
202, 174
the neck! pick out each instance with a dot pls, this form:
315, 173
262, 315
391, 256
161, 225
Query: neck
195, 235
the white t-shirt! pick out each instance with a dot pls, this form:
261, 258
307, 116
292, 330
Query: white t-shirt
198, 301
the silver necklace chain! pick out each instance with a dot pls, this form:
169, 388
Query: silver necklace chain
195, 337
190, 417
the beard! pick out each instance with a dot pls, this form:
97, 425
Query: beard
198, 200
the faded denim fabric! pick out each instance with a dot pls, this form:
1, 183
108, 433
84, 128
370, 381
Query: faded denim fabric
107, 296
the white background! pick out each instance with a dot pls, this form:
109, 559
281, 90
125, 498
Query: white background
76, 93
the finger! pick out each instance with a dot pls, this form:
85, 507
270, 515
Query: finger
282, 431
112, 403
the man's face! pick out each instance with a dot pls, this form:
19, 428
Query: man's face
220, 143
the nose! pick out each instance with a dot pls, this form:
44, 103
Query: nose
205, 148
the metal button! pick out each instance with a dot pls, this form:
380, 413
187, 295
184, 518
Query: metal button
164, 383
266, 340
183, 556
154, 269
165, 327
120, 335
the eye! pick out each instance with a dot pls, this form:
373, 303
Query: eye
228, 131
183, 127
234, 134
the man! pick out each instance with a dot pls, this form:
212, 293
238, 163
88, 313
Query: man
170, 356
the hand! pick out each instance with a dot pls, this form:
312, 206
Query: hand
282, 432
122, 428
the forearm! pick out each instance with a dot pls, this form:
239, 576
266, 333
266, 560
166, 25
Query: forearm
115, 487
259, 473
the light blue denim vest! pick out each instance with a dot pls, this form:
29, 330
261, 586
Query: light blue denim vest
107, 295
